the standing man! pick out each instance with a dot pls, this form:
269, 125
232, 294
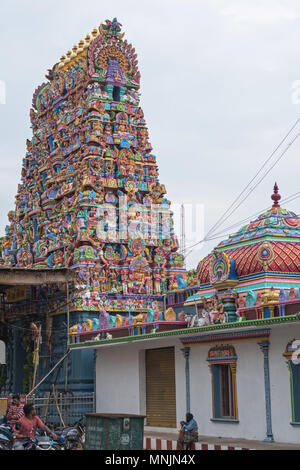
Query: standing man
15, 411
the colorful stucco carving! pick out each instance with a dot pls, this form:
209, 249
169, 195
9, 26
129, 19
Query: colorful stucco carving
90, 196
255, 272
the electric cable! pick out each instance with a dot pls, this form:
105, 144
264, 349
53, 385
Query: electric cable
220, 220
262, 178
222, 234
248, 219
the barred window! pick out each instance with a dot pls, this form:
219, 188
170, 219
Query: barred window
222, 362
226, 392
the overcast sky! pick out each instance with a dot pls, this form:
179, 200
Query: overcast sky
216, 89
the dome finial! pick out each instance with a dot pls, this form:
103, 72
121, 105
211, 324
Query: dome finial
276, 196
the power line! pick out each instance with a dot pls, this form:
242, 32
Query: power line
220, 220
224, 233
262, 178
286, 200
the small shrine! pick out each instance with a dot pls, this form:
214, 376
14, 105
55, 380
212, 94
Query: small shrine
254, 274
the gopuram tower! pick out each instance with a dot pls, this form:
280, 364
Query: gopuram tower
90, 199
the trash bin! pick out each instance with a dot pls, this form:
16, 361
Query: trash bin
114, 432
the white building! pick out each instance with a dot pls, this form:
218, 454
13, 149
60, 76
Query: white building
240, 380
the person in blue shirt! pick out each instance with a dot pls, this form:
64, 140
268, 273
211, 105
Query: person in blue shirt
188, 432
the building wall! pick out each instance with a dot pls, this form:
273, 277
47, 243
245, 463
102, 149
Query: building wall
120, 385
121, 377
118, 381
250, 392
280, 385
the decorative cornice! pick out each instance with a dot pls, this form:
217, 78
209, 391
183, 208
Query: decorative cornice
223, 360
187, 331
236, 335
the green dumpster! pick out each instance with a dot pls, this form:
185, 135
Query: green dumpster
114, 432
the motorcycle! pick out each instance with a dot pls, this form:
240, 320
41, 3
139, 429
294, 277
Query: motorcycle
41, 443
74, 435
59, 444
3, 418
29, 444
6, 437
5, 443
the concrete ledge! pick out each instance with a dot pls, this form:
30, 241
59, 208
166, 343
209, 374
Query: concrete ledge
165, 444
31, 276
213, 442
224, 420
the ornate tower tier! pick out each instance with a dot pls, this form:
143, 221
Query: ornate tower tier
90, 199
90, 196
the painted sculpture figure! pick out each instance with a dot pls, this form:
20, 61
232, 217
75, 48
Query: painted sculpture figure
255, 271
90, 197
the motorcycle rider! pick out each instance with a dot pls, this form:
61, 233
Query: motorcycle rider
27, 426
15, 411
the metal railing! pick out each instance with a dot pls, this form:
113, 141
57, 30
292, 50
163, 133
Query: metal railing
62, 408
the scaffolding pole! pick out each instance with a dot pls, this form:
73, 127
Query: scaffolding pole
47, 375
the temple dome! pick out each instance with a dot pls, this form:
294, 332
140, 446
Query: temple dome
270, 243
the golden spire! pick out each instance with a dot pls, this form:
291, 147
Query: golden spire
81, 46
74, 53
87, 41
68, 59
95, 32
62, 62
78, 49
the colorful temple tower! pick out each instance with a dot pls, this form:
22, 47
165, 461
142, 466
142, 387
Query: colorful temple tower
90, 199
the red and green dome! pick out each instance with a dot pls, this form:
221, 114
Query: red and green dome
270, 243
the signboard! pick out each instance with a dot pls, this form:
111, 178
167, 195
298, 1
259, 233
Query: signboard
3, 406
15, 294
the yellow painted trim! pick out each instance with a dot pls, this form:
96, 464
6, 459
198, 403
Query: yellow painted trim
212, 390
234, 389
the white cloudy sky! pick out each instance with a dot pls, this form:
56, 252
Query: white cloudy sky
216, 88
